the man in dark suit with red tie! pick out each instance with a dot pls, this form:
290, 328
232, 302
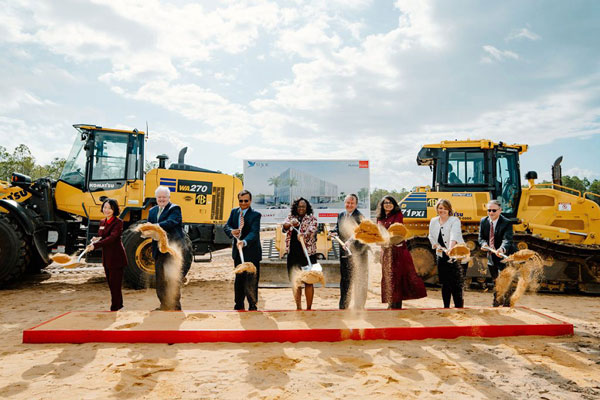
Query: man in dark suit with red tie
168, 216
244, 226
496, 232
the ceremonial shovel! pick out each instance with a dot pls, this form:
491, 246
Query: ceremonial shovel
499, 255
311, 266
244, 266
343, 245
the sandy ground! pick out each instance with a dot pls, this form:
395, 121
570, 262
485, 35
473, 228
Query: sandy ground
504, 368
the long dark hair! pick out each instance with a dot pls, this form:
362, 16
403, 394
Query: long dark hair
381, 211
113, 204
294, 210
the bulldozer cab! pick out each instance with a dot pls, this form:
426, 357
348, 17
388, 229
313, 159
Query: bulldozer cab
110, 162
476, 166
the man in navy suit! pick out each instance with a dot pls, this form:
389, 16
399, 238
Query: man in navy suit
247, 240
501, 241
168, 216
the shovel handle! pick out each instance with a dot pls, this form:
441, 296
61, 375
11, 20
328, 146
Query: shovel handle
342, 244
81, 255
500, 255
241, 251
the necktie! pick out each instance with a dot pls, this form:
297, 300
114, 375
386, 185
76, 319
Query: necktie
160, 210
241, 221
492, 235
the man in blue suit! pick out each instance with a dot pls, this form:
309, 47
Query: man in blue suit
244, 226
168, 216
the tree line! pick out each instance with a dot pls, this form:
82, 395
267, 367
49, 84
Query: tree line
22, 161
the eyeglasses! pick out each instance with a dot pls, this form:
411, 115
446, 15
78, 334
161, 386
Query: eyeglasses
387, 202
244, 201
493, 209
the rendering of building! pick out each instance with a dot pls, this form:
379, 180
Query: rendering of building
293, 183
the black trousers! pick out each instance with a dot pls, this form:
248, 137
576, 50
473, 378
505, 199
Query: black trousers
452, 281
168, 285
246, 287
495, 268
353, 272
345, 280
114, 278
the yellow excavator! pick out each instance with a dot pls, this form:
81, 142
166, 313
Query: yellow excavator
561, 224
44, 216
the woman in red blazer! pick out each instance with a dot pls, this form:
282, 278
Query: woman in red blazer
114, 259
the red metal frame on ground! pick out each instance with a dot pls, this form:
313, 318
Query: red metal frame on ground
34, 335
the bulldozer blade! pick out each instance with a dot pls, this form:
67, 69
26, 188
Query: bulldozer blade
273, 274
39, 240
590, 287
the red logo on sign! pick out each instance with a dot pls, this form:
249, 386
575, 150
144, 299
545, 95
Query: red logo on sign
325, 215
363, 164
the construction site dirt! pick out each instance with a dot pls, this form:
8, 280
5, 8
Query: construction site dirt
511, 367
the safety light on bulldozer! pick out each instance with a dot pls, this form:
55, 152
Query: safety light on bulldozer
20, 178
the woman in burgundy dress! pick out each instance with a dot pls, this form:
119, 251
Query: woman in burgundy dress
399, 280
114, 259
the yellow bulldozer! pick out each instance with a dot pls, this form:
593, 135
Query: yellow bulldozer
561, 224
44, 216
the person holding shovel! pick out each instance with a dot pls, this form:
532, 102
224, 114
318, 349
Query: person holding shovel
445, 233
399, 280
496, 235
300, 226
243, 226
354, 268
168, 217
114, 259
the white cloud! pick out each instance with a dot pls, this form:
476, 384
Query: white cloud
46, 141
14, 99
542, 120
416, 22
523, 33
222, 121
582, 173
495, 54
355, 78
310, 40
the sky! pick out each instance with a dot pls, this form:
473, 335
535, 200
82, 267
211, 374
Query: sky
336, 79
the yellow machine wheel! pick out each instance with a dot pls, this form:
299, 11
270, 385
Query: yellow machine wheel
424, 261
522, 246
139, 271
143, 257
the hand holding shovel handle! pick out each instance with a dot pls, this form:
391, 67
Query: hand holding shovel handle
499, 255
240, 249
337, 238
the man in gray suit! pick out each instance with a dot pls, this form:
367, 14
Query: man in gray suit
354, 269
